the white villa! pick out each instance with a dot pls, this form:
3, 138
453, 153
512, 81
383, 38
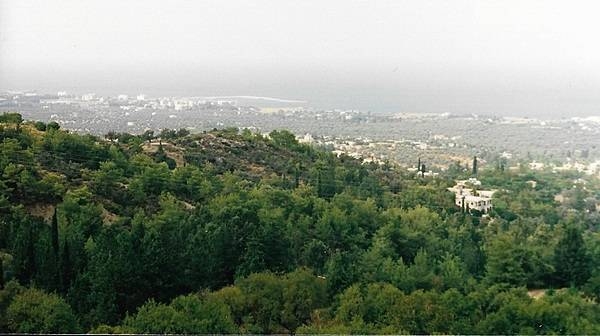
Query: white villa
468, 198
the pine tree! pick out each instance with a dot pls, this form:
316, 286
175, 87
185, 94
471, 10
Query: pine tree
475, 166
571, 260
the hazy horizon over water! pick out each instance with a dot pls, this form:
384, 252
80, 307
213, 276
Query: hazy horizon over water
509, 58
383, 89
402, 103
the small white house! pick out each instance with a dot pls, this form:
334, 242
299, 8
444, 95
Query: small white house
467, 198
483, 204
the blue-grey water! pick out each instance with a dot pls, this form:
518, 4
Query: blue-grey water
470, 91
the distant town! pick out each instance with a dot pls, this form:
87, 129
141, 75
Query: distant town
441, 141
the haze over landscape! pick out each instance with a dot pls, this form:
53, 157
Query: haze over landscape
299, 167
510, 58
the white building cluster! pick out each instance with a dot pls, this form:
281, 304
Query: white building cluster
469, 198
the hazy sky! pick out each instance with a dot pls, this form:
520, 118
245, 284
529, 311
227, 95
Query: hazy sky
503, 57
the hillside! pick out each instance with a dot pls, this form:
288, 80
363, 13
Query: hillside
230, 231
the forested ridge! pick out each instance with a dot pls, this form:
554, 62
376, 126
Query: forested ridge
229, 231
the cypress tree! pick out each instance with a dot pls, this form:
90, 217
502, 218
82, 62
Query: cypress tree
475, 166
1, 275
55, 234
65, 267
297, 175
29, 268
55, 251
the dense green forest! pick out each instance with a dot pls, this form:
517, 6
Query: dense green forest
229, 231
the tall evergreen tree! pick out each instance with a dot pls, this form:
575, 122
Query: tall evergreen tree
29, 267
571, 260
1, 275
55, 263
66, 268
55, 234
297, 171
474, 165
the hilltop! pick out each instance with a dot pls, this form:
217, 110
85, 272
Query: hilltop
230, 231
